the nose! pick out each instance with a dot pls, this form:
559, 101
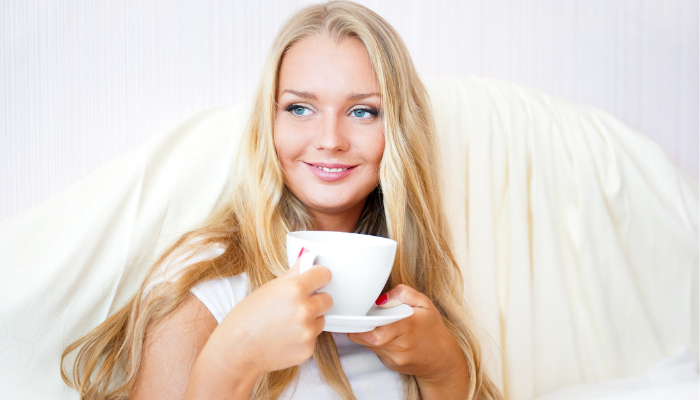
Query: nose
331, 135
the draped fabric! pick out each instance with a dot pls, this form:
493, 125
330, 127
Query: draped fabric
577, 236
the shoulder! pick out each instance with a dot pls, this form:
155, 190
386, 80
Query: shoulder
179, 259
218, 295
187, 255
170, 348
191, 314
222, 294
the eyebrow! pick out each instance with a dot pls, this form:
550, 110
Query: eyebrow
311, 96
360, 96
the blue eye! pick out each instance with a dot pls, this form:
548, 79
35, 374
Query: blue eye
364, 113
359, 113
299, 111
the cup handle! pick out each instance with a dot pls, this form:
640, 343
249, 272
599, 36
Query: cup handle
306, 261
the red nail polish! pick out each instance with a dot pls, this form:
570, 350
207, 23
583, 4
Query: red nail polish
381, 299
301, 252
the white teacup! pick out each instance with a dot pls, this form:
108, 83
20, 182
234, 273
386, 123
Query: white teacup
360, 264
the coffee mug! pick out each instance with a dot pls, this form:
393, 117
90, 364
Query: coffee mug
360, 264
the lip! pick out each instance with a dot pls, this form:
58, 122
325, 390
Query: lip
330, 176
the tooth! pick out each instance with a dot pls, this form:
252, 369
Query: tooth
331, 169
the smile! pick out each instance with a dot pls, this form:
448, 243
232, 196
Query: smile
332, 169
330, 172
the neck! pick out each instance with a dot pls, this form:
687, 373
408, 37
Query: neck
339, 222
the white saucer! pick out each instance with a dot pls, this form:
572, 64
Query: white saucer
375, 317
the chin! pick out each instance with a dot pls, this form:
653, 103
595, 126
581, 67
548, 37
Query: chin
336, 200
333, 202
331, 207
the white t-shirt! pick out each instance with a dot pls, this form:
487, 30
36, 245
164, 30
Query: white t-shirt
369, 378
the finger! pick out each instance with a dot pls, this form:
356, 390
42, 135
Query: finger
315, 278
321, 303
380, 335
294, 270
360, 338
364, 338
403, 294
306, 261
319, 324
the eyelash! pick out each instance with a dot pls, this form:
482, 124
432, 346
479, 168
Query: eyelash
370, 110
291, 107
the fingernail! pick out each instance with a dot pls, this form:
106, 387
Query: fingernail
381, 299
301, 252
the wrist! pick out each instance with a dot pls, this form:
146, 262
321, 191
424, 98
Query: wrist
220, 372
448, 380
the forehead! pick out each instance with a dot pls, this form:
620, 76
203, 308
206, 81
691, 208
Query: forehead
320, 64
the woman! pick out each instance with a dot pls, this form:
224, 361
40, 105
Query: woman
340, 138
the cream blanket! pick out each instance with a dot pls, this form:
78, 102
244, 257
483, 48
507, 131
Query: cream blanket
577, 236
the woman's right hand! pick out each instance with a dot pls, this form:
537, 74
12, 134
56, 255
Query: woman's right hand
273, 328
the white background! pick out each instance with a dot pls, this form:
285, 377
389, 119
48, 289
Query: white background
83, 81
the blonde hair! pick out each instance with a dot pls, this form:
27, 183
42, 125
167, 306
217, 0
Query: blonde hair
253, 223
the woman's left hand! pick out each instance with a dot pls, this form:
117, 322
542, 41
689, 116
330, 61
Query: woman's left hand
420, 345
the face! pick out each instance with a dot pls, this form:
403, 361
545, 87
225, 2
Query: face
328, 131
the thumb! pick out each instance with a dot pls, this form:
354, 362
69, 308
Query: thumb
403, 294
294, 270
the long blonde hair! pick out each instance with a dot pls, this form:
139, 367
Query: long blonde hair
253, 223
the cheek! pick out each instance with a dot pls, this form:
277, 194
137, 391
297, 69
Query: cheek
377, 148
279, 147
285, 146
